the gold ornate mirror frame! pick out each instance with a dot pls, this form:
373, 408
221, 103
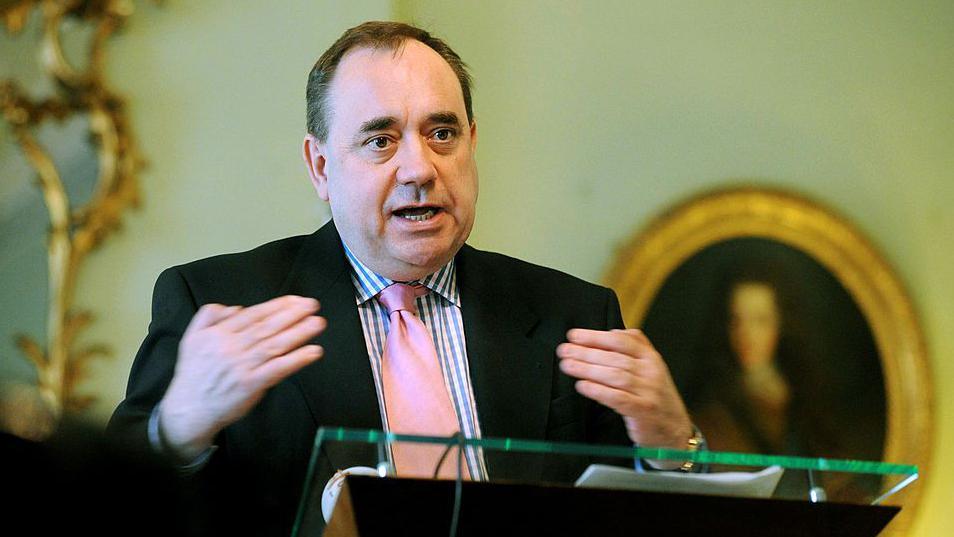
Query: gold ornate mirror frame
644, 264
74, 231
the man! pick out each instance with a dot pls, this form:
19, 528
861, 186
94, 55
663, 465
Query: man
236, 357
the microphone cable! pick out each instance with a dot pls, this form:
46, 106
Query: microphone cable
458, 440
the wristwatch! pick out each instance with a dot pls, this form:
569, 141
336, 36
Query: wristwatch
696, 442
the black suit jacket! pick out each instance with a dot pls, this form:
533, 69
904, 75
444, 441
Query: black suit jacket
514, 313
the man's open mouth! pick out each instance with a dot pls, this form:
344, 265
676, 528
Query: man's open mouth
417, 214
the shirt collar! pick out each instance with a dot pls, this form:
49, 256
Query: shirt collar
367, 283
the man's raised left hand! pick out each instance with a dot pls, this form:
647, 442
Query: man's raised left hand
623, 371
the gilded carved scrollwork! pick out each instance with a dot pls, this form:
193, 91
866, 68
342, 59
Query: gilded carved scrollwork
74, 231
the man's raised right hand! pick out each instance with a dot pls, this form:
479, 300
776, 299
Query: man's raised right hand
229, 357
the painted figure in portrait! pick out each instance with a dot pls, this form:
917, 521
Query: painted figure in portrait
779, 359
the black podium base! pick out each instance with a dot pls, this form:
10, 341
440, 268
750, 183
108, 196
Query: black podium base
372, 507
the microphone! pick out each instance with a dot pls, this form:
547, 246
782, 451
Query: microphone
329, 496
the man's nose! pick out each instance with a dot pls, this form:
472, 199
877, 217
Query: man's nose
415, 163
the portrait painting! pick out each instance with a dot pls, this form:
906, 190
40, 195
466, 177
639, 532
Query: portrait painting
785, 330
770, 353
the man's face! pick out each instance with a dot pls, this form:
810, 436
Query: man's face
398, 166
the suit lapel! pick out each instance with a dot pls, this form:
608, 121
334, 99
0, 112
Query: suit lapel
338, 388
511, 373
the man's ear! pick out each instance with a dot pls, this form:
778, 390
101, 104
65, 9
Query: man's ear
473, 136
313, 152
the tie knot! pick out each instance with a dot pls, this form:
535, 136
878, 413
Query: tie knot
401, 296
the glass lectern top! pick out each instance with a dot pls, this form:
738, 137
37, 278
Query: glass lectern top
340, 452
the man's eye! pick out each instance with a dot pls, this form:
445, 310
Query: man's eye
379, 142
444, 135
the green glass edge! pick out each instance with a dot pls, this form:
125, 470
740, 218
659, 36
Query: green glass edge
571, 448
309, 483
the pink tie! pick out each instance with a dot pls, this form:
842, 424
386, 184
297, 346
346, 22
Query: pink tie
415, 396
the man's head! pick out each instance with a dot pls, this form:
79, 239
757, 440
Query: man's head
374, 35
391, 147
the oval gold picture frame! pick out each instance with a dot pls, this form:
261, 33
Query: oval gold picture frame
643, 265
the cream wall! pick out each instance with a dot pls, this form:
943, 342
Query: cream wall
593, 117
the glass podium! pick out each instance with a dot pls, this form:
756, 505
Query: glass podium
507, 472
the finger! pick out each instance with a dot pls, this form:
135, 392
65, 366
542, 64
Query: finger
210, 314
624, 342
288, 339
258, 312
623, 403
274, 371
596, 356
273, 324
607, 376
636, 333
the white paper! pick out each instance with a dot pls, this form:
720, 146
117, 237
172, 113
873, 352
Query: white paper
748, 484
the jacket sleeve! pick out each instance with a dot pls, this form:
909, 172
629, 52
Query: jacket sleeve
173, 306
